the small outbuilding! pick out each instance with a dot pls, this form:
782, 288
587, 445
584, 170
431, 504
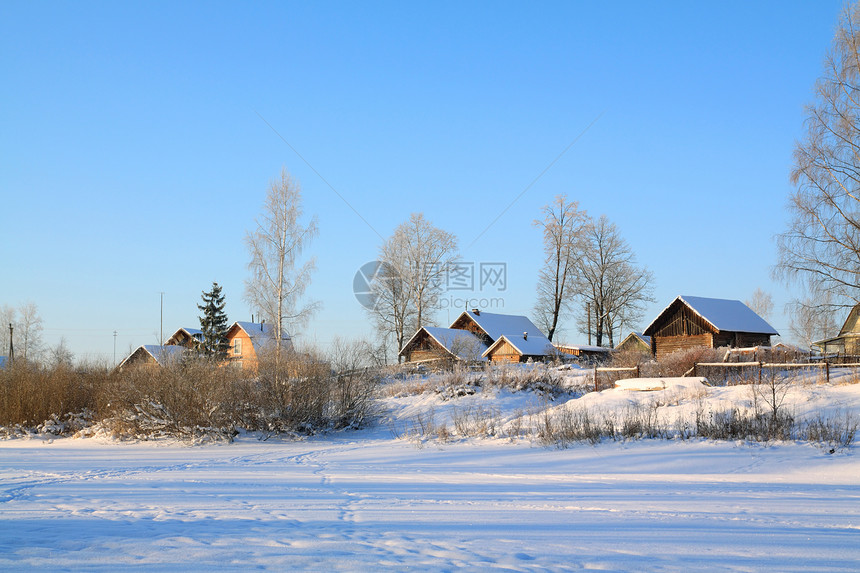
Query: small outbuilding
695, 321
635, 342
584, 351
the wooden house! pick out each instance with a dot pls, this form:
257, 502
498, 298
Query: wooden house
847, 342
435, 343
153, 355
694, 321
635, 342
187, 337
486, 329
522, 348
248, 340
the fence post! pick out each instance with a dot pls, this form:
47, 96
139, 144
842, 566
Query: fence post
695, 370
759, 372
637, 371
595, 378
827, 371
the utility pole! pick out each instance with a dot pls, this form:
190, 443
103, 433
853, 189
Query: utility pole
161, 331
11, 348
588, 314
114, 347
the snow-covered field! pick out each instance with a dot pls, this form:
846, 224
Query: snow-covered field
379, 500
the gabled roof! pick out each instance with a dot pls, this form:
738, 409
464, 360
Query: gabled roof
261, 334
723, 315
851, 322
646, 340
495, 325
459, 343
531, 346
163, 355
192, 333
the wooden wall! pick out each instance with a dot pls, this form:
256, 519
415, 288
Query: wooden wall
665, 345
504, 352
248, 357
425, 348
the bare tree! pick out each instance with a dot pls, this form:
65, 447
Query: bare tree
563, 227
7, 317
393, 313
761, 303
822, 243
611, 285
812, 319
28, 332
60, 355
278, 279
418, 255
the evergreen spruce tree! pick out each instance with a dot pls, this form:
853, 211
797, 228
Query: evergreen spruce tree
213, 323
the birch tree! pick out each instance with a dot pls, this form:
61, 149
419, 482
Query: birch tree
563, 226
761, 303
279, 278
611, 286
417, 255
812, 319
393, 314
28, 332
822, 243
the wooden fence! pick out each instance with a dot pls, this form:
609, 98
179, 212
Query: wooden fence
758, 368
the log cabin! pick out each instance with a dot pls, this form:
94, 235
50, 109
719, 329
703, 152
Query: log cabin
486, 328
695, 321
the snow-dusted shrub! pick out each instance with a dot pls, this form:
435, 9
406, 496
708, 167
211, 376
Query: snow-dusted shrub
834, 433
680, 362
56, 398
544, 379
476, 421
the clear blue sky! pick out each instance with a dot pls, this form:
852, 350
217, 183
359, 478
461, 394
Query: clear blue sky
133, 156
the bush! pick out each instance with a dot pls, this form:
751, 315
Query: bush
192, 399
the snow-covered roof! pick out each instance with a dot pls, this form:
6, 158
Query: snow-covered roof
163, 355
460, 343
261, 333
646, 340
495, 325
723, 315
531, 346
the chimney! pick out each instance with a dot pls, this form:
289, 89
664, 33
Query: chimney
525, 335
261, 324
476, 311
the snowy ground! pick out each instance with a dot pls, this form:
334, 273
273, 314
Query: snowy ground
369, 501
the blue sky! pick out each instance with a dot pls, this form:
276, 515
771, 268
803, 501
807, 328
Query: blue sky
135, 151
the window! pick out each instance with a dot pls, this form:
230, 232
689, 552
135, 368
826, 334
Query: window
237, 346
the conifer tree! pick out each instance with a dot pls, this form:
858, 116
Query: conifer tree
213, 323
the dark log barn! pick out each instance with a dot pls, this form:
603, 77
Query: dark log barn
692, 322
